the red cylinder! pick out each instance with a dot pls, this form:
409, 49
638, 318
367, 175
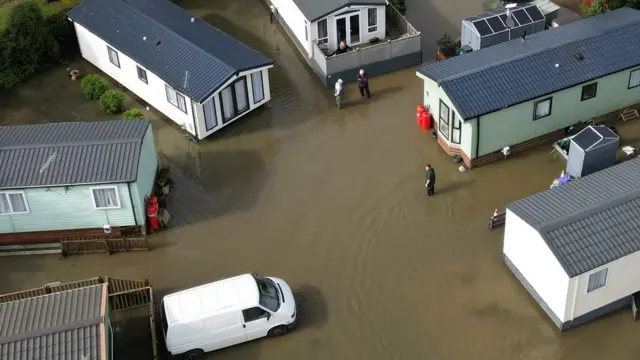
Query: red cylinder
425, 121
419, 111
152, 212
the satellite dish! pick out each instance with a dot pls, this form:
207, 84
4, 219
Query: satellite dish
509, 21
510, 24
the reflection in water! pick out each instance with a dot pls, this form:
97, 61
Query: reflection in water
333, 202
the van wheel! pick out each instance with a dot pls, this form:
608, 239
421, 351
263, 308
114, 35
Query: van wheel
193, 354
278, 331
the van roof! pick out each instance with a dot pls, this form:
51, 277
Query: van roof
209, 299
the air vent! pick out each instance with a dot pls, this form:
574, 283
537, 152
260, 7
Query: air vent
579, 56
158, 42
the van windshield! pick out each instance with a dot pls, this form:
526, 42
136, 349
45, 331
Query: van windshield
269, 296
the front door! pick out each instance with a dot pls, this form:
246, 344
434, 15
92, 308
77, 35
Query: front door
256, 321
341, 30
354, 29
348, 29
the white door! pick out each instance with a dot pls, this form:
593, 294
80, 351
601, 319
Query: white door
354, 29
256, 321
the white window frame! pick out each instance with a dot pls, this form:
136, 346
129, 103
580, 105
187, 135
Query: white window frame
180, 99
93, 197
24, 198
141, 71
306, 30
535, 108
443, 126
372, 28
112, 51
254, 86
323, 40
634, 79
597, 283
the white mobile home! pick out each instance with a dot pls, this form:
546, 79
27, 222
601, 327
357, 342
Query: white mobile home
195, 74
380, 39
576, 247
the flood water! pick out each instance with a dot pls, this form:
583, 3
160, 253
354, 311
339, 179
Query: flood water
333, 202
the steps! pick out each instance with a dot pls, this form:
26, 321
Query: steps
35, 249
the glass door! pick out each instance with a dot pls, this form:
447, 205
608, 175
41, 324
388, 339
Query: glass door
354, 29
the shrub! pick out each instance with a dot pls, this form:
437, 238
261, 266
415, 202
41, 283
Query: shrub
590, 8
94, 86
133, 114
112, 102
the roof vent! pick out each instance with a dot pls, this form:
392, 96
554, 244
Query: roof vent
557, 65
158, 42
193, 19
144, 38
579, 57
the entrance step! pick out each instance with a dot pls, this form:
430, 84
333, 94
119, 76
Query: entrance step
34, 249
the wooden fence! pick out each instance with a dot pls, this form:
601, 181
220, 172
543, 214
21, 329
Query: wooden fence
103, 244
497, 220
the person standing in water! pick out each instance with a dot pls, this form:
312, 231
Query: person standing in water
338, 93
430, 180
363, 83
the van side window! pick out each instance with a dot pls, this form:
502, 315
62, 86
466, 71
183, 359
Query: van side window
253, 314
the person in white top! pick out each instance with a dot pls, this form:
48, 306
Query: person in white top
338, 93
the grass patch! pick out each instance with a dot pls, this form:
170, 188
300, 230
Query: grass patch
47, 8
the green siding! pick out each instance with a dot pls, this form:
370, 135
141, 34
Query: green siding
147, 167
60, 208
515, 124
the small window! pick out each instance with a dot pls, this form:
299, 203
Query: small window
443, 124
597, 280
113, 56
13, 202
306, 30
257, 87
323, 32
542, 108
373, 20
176, 99
253, 314
634, 79
105, 197
142, 75
589, 91
456, 133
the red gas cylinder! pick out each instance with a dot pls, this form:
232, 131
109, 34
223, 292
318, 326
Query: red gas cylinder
419, 111
425, 120
152, 212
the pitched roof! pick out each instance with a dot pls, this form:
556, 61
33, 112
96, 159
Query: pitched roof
590, 221
74, 153
195, 58
64, 326
509, 73
594, 135
316, 9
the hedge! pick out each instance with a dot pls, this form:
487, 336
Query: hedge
112, 102
31, 41
133, 114
94, 86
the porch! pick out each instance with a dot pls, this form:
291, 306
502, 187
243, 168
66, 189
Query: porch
400, 48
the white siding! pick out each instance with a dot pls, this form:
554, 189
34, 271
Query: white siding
200, 119
365, 36
291, 14
622, 280
94, 50
528, 252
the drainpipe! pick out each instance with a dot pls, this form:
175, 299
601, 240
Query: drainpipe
575, 297
478, 137
133, 210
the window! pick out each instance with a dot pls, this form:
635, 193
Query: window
542, 108
113, 56
443, 124
210, 116
234, 100
457, 128
258, 89
589, 91
253, 314
323, 33
634, 79
306, 30
105, 197
142, 74
13, 202
269, 296
373, 20
176, 99
597, 280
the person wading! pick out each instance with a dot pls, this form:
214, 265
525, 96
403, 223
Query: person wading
363, 83
338, 93
430, 180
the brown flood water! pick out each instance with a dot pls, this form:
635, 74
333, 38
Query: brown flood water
333, 202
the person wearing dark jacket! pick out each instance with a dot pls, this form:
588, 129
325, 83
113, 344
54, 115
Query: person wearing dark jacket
342, 48
430, 180
363, 83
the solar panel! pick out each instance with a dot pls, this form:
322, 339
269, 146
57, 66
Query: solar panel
535, 13
496, 24
482, 27
522, 17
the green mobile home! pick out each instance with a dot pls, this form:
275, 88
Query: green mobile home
74, 179
530, 90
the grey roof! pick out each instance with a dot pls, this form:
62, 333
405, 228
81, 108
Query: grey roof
594, 135
590, 221
208, 55
61, 326
73, 153
516, 71
316, 9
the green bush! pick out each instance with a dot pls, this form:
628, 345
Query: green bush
112, 102
94, 86
133, 114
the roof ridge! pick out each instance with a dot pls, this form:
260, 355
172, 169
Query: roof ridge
71, 144
537, 51
201, 50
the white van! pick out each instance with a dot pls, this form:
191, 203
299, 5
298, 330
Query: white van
225, 313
